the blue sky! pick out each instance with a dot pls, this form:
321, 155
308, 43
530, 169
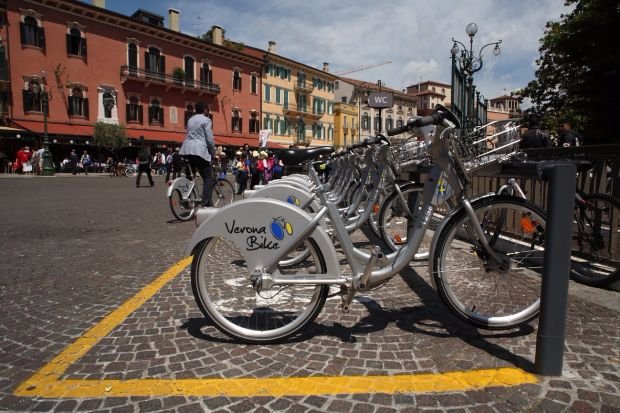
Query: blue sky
414, 35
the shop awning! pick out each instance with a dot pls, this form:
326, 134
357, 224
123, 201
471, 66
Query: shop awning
55, 128
239, 141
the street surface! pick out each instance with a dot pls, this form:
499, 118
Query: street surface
97, 314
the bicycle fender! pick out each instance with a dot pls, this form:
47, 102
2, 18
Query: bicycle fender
287, 193
183, 184
261, 227
439, 230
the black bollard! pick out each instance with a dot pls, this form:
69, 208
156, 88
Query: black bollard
554, 294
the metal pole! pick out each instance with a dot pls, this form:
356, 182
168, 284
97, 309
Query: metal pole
48, 165
554, 289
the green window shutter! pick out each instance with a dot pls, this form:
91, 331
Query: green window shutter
267, 93
278, 94
285, 99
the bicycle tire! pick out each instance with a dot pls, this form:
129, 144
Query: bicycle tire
223, 193
596, 241
392, 220
130, 172
221, 281
182, 209
476, 292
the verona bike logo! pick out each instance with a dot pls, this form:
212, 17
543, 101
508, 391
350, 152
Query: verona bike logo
279, 227
293, 200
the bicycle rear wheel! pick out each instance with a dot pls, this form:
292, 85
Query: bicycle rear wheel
182, 209
474, 287
223, 193
224, 292
596, 241
393, 216
130, 171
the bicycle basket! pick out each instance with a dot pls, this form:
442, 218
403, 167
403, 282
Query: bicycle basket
486, 145
408, 154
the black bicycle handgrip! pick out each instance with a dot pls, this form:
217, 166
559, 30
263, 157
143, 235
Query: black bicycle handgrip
425, 121
398, 130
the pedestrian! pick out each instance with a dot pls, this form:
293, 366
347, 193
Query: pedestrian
199, 149
74, 159
242, 173
534, 137
177, 164
253, 168
23, 160
568, 137
86, 162
168, 163
278, 168
37, 160
144, 162
266, 167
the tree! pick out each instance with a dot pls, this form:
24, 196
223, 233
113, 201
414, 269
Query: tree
110, 136
578, 75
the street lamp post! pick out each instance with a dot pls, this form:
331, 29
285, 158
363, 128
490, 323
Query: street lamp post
469, 63
48, 165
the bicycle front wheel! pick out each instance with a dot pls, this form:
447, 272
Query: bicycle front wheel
223, 193
596, 241
182, 209
224, 292
130, 172
477, 288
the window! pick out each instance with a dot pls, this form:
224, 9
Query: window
267, 122
189, 112
278, 94
132, 58
366, 121
156, 113
377, 123
276, 126
134, 110
108, 102
31, 33
267, 93
33, 101
236, 121
78, 104
189, 71
236, 80
399, 122
254, 90
154, 64
389, 123
254, 126
76, 44
206, 74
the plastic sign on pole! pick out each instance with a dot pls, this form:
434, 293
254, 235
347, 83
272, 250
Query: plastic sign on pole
380, 100
263, 137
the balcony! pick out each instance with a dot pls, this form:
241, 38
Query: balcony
303, 111
168, 80
304, 87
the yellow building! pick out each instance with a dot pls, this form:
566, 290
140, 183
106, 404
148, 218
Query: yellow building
346, 117
297, 100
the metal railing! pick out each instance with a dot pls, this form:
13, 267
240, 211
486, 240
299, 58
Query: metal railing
169, 79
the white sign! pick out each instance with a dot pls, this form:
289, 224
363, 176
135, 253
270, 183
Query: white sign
380, 100
263, 137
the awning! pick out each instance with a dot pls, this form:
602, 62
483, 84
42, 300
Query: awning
239, 141
55, 128
156, 135
8, 129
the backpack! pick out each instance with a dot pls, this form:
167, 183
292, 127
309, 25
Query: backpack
253, 166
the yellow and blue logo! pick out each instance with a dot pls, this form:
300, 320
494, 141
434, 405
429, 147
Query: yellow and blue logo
293, 200
279, 227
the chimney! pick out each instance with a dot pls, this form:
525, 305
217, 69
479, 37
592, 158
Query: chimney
272, 47
218, 36
99, 3
325, 66
173, 19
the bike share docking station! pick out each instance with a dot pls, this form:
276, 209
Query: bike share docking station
561, 178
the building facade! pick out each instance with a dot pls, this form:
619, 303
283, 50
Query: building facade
297, 100
372, 121
429, 94
100, 66
504, 107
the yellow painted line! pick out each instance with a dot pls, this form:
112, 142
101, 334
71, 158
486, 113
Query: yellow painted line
293, 386
47, 381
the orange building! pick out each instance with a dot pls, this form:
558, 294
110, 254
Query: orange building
101, 66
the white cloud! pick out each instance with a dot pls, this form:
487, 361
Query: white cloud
413, 34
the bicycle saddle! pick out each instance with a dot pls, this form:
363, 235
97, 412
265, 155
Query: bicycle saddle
297, 156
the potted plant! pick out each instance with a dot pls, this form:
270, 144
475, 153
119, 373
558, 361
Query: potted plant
178, 74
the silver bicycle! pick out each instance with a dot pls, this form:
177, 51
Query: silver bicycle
487, 270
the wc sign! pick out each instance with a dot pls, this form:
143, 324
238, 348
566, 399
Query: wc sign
380, 100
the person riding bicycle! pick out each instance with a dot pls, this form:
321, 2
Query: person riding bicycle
199, 147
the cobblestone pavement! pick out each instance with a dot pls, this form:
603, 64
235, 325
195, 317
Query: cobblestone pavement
74, 249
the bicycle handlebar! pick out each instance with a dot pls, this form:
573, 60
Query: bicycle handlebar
439, 114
